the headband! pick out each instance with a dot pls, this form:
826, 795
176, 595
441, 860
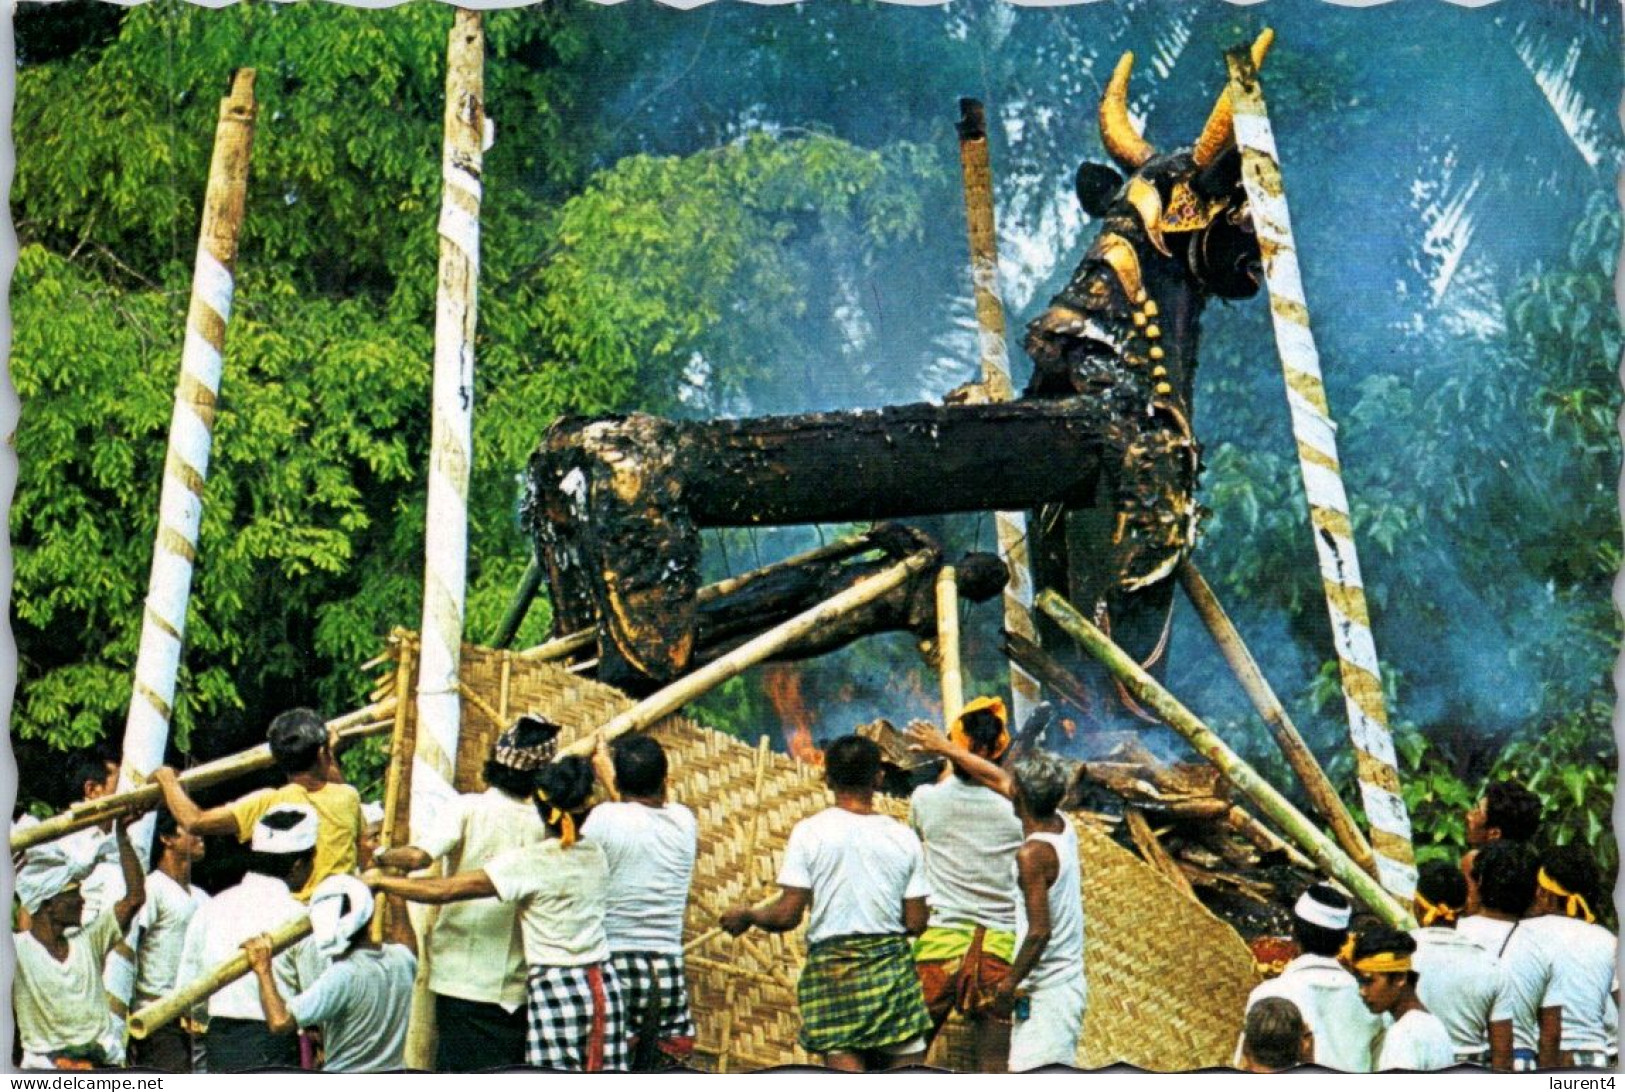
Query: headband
959, 738
1575, 902
1383, 963
298, 838
561, 819
1312, 910
1432, 911
340, 907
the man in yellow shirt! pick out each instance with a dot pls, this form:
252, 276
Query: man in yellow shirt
303, 749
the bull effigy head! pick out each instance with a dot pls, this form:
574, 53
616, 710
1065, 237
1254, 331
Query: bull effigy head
1175, 230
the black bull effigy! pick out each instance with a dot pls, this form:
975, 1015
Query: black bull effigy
1099, 447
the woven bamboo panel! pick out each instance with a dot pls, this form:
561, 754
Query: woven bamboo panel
1167, 980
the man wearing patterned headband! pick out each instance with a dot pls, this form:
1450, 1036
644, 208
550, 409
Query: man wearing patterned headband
1326, 995
971, 834
1560, 969
282, 855
1416, 1040
1460, 980
476, 952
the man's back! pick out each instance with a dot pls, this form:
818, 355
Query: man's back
970, 835
859, 869
1582, 982
361, 1004
1458, 982
650, 853
217, 931
1329, 1000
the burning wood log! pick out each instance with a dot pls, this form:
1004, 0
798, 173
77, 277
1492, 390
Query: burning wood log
1325, 852
375, 719
616, 505
1151, 849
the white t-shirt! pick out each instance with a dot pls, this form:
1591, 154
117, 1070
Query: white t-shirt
218, 929
1328, 998
61, 1005
1526, 964
1416, 1040
1458, 982
361, 1003
971, 835
650, 852
859, 869
1489, 934
161, 928
1582, 981
561, 900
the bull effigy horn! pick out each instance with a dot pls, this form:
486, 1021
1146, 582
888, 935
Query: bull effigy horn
1220, 129
1116, 130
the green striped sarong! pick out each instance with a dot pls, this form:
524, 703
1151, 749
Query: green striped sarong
860, 992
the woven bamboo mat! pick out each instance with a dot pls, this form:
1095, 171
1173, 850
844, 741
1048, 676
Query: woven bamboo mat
1167, 980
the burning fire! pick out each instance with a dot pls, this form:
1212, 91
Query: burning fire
783, 685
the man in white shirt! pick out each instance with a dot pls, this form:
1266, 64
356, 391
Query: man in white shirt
283, 849
863, 876
1503, 879
1459, 979
362, 1000
1580, 986
1416, 1040
971, 835
157, 936
1327, 996
63, 1021
1506, 874
1506, 812
649, 844
476, 951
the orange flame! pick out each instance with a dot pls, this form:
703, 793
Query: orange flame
783, 686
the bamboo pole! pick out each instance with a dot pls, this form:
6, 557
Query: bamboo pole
1010, 527
1375, 762
1321, 849
445, 566
145, 1021
669, 699
559, 648
523, 597
953, 686
1298, 756
360, 724
191, 438
397, 788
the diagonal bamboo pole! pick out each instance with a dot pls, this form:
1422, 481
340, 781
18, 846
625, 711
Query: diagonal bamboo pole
1010, 527
373, 720
191, 438
145, 1021
1316, 435
1321, 849
1258, 690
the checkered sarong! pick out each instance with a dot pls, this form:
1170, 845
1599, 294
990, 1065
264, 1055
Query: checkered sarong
560, 1012
860, 992
656, 978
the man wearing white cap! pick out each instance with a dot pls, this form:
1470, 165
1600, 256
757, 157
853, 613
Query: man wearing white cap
362, 1000
283, 848
1327, 996
63, 1021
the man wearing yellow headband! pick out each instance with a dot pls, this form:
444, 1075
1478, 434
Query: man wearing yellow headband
1416, 1040
1461, 980
971, 834
1560, 967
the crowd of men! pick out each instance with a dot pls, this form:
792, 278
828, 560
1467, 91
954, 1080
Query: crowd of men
1508, 967
562, 889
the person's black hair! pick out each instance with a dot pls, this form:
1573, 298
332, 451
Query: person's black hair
1573, 868
640, 766
167, 826
852, 763
1442, 883
1381, 938
567, 784
518, 784
1513, 810
297, 738
1274, 1034
1505, 873
1318, 939
92, 768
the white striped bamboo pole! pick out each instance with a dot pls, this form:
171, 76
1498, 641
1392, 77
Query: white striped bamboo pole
445, 566
191, 436
1316, 436
1010, 527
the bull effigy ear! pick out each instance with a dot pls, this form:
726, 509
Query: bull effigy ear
1116, 130
1095, 184
1220, 129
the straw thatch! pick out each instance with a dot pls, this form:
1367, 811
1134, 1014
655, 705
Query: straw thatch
1167, 980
